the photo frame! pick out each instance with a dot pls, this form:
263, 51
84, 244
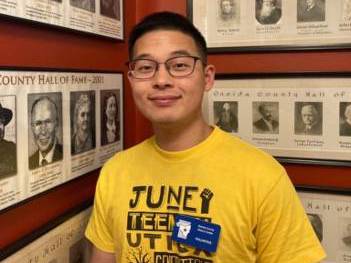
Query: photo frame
238, 25
98, 17
298, 118
70, 123
330, 215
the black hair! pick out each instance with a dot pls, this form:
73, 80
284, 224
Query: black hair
167, 21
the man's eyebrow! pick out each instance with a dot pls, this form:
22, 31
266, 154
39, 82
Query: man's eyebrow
143, 55
181, 53
172, 54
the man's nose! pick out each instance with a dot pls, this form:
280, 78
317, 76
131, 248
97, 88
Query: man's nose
162, 78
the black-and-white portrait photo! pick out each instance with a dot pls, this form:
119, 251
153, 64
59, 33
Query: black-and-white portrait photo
345, 232
110, 8
308, 118
310, 10
317, 225
228, 13
345, 119
226, 115
45, 135
8, 152
265, 117
110, 122
88, 5
82, 121
268, 12
346, 11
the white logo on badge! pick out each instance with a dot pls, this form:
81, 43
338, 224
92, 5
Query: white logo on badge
184, 228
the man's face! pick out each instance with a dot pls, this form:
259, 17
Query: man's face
309, 114
227, 7
83, 120
111, 108
2, 128
164, 99
44, 124
267, 8
267, 3
267, 112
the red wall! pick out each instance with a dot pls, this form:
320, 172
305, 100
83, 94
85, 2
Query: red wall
25, 44
28, 45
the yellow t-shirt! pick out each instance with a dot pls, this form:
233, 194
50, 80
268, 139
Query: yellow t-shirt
222, 180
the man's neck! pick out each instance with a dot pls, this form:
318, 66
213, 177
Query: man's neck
181, 137
82, 136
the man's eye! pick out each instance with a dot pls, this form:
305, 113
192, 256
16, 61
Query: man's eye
144, 68
180, 66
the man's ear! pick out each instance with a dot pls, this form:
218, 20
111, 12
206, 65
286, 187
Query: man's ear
210, 72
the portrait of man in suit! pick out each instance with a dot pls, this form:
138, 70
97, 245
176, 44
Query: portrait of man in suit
226, 115
268, 12
311, 10
82, 121
269, 116
8, 160
308, 118
345, 119
44, 118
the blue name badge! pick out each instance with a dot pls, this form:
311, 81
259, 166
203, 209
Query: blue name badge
196, 233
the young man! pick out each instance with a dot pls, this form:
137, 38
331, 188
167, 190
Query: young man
190, 168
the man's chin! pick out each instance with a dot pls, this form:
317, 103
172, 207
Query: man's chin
45, 148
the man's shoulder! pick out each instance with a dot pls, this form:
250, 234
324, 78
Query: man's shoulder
34, 160
136, 151
247, 158
259, 122
8, 145
238, 147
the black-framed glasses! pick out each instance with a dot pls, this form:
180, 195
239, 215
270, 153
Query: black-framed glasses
177, 67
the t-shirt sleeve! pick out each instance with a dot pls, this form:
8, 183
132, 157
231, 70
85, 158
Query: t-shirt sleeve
284, 233
98, 231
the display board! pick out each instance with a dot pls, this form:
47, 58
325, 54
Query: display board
101, 17
237, 25
298, 118
54, 127
330, 216
65, 243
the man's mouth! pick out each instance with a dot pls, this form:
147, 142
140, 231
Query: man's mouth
164, 100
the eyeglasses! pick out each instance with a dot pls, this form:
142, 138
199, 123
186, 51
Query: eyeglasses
177, 67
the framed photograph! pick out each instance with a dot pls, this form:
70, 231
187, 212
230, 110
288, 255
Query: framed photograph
298, 118
240, 25
70, 124
98, 17
330, 215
